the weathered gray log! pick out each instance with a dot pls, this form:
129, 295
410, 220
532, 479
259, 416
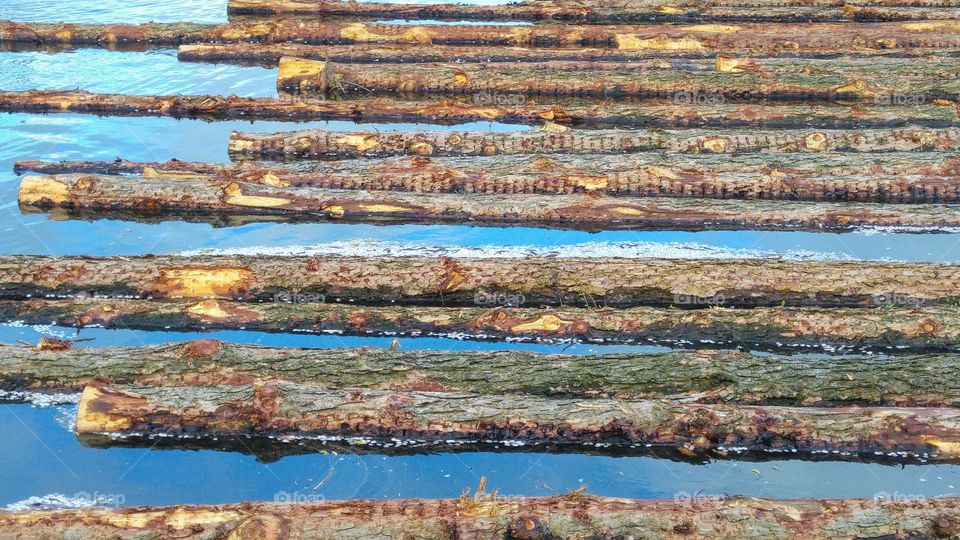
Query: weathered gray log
149, 197
288, 409
928, 380
892, 328
485, 515
458, 281
731, 79
688, 113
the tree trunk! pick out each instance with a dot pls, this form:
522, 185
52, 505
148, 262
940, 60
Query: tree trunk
928, 380
281, 408
469, 281
450, 111
864, 79
487, 516
776, 329
593, 13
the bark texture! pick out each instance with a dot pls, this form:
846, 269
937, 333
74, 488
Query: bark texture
843, 80
452, 111
459, 281
892, 329
929, 380
146, 197
281, 408
486, 516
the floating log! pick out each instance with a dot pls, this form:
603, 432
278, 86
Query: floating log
794, 177
749, 38
694, 376
320, 143
484, 515
894, 329
586, 12
573, 112
288, 409
615, 80
459, 281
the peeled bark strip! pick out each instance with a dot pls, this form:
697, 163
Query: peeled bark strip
573, 112
461, 281
575, 515
610, 80
752, 38
150, 197
701, 376
280, 408
892, 329
553, 140
591, 13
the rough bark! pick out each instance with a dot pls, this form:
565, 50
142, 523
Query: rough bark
459, 281
287, 409
487, 516
841, 82
752, 38
452, 111
146, 197
795, 177
891, 329
594, 13
928, 380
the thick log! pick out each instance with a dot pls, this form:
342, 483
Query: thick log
485, 515
928, 380
288, 409
748, 38
573, 112
842, 82
586, 12
458, 281
891, 329
150, 197
794, 177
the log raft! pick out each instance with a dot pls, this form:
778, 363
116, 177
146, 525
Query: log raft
119, 197
892, 328
451, 111
447, 281
275, 408
485, 515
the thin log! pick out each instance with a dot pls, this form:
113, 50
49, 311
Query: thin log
587, 113
287, 409
458, 281
893, 329
593, 13
484, 515
620, 80
928, 380
750, 38
794, 177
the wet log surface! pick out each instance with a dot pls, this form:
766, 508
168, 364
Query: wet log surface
893, 329
288, 409
927, 380
458, 281
161, 197
572, 112
485, 515
837, 80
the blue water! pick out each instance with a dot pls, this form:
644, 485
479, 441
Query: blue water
39, 454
